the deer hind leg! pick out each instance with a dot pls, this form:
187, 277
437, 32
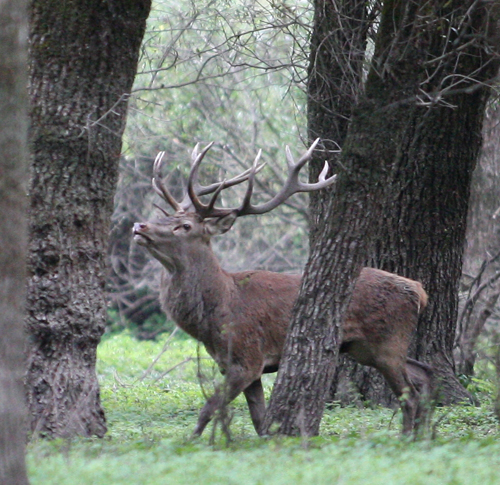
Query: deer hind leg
402, 386
421, 377
382, 358
254, 395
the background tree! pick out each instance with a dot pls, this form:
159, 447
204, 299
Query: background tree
426, 219
83, 59
13, 238
402, 173
481, 272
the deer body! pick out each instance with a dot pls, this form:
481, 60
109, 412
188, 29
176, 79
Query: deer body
243, 313
242, 318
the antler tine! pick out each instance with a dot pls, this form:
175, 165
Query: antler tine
251, 179
295, 167
158, 185
195, 153
196, 158
162, 210
195, 190
193, 186
322, 175
292, 184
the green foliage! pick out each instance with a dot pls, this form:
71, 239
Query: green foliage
150, 421
153, 326
219, 70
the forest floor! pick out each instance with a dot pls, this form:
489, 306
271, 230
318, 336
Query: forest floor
152, 411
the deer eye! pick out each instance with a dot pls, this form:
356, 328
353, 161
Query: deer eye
186, 226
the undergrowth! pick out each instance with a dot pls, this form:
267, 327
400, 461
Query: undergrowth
151, 411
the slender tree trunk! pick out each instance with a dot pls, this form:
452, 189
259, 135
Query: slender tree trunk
83, 60
483, 228
13, 238
335, 81
311, 348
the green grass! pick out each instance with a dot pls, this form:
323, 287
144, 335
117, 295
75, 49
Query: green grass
150, 421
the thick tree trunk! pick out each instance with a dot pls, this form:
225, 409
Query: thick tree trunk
13, 238
400, 160
83, 62
422, 234
433, 171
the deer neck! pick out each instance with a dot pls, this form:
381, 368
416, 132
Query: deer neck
194, 294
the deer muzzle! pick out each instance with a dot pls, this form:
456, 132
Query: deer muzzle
140, 232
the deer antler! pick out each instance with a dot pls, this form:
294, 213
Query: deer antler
159, 187
195, 190
292, 186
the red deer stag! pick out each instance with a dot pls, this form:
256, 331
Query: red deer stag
242, 318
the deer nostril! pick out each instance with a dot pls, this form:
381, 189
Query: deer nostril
140, 226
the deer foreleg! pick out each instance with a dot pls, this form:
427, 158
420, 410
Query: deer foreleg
235, 383
213, 403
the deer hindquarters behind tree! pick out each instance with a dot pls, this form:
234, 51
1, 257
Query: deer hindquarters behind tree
242, 318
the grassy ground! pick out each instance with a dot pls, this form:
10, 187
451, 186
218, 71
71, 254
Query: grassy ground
150, 421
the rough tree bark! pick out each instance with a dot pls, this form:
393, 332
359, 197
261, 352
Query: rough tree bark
83, 59
335, 81
13, 238
408, 245
422, 233
390, 153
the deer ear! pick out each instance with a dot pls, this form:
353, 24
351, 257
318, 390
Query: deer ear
215, 227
